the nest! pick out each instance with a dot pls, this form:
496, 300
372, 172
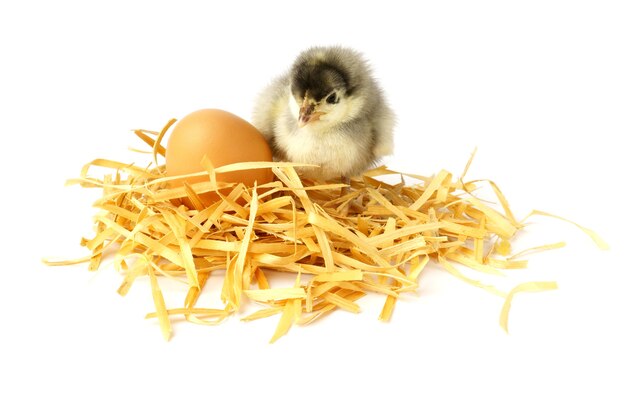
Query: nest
369, 237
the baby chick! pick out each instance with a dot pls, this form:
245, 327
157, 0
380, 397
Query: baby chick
327, 111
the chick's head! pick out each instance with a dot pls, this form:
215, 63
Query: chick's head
322, 94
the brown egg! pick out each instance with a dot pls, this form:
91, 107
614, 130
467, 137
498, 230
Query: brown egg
225, 139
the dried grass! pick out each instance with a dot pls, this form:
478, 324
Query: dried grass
374, 237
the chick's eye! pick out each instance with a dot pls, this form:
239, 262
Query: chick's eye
332, 99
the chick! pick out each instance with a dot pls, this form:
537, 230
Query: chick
327, 110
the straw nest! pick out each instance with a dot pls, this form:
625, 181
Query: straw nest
368, 237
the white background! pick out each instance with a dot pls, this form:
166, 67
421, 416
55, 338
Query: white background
537, 86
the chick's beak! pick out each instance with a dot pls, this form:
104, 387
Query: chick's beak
308, 114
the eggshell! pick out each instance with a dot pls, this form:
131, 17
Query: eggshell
225, 139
